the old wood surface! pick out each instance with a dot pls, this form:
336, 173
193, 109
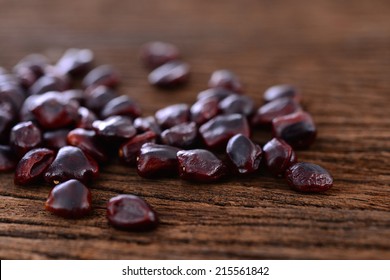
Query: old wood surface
337, 52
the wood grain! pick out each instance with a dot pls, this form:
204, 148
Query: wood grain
337, 52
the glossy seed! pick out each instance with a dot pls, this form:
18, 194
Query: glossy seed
32, 166
55, 139
204, 109
296, 129
85, 118
276, 108
98, 97
182, 135
129, 151
87, 141
171, 74
75, 62
70, 199
130, 212
121, 105
157, 161
278, 156
244, 155
200, 166
237, 104
25, 136
225, 79
72, 163
173, 115
30, 68
147, 124
115, 129
217, 131
308, 177
219, 93
155, 54
104, 75
7, 159
47, 83
281, 91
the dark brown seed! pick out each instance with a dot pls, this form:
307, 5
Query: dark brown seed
308, 177
281, 91
219, 93
204, 109
55, 139
32, 166
121, 105
75, 62
171, 74
103, 75
173, 115
25, 113
7, 159
182, 135
87, 141
52, 111
30, 68
130, 212
47, 83
279, 107
13, 94
72, 163
244, 155
7, 118
85, 118
98, 97
115, 129
200, 166
25, 136
74, 94
225, 79
147, 124
217, 131
129, 151
70, 199
155, 54
237, 104
157, 160
278, 156
296, 129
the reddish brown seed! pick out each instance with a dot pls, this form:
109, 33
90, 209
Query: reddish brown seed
7, 159
32, 166
278, 156
74, 94
219, 93
225, 79
115, 129
85, 118
308, 177
129, 151
52, 111
171, 74
121, 105
279, 107
155, 54
70, 199
47, 83
217, 131
182, 135
297, 129
237, 104
147, 124
25, 113
98, 97
157, 160
102, 75
173, 115
87, 141
25, 136
72, 163
204, 109
281, 91
30, 68
200, 166
55, 139
7, 118
75, 62
12, 93
130, 212
244, 155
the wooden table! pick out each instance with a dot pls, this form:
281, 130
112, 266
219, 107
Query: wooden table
337, 52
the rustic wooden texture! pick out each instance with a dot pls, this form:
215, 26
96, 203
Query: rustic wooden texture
337, 52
